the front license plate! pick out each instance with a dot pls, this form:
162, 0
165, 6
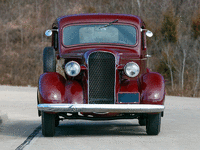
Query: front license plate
128, 98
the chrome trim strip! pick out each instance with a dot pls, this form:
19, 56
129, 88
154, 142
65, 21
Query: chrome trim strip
120, 108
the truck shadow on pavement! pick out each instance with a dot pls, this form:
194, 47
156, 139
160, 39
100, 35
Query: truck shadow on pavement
99, 128
76, 128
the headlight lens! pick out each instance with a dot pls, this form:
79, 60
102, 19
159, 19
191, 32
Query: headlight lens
72, 68
132, 69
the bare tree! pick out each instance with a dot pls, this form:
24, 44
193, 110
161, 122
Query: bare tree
138, 1
169, 53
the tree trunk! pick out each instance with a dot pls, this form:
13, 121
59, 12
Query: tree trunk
197, 81
138, 1
183, 69
171, 75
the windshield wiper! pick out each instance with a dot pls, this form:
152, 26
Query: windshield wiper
109, 24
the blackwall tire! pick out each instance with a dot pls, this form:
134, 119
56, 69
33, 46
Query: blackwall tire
48, 124
49, 60
142, 122
153, 124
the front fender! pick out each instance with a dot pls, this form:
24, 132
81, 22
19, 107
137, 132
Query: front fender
152, 88
54, 88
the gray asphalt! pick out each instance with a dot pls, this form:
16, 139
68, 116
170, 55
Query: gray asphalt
18, 119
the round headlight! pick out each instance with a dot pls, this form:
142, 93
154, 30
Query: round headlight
132, 69
72, 68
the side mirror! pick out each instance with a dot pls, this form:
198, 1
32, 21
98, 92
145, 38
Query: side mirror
149, 33
48, 33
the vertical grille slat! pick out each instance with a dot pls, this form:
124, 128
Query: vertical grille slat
101, 78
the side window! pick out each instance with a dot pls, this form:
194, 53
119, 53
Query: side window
55, 40
143, 38
55, 35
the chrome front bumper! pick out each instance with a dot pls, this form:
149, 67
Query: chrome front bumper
118, 108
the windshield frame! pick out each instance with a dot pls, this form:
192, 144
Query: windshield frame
99, 23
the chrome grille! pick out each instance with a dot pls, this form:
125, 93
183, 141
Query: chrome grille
101, 78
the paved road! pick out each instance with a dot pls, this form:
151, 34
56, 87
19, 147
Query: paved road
180, 127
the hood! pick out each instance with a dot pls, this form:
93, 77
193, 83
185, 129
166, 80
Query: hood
120, 54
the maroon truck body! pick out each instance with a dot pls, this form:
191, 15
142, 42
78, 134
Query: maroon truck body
102, 90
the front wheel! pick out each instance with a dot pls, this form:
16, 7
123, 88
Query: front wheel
153, 124
48, 124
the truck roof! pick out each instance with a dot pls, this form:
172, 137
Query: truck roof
98, 17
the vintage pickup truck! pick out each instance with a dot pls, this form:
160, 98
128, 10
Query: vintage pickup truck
106, 75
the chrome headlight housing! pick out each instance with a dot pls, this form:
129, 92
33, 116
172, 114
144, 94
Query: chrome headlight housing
132, 69
72, 68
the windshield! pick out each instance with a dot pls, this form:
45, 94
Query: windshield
80, 34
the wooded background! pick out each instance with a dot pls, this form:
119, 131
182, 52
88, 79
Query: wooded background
175, 46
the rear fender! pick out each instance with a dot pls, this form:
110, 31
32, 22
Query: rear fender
152, 88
